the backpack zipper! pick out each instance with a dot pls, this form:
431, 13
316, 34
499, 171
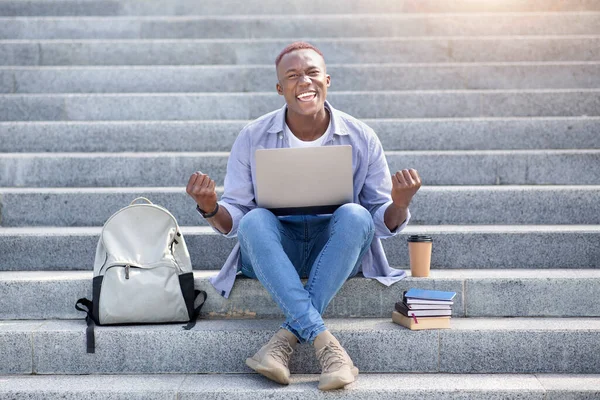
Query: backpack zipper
174, 241
128, 266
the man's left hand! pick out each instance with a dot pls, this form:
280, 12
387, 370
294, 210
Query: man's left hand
405, 184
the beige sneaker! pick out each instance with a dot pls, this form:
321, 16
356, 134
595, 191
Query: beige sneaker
273, 358
337, 369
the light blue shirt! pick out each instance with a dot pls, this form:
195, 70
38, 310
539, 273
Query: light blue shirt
371, 178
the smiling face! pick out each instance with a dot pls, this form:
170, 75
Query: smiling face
303, 82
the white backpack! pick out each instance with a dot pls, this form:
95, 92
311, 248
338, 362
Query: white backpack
142, 271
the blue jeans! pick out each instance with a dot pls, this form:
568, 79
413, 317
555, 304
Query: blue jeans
325, 249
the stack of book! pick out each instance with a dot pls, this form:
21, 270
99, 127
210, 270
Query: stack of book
424, 309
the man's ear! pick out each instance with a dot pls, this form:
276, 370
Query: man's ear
328, 77
279, 89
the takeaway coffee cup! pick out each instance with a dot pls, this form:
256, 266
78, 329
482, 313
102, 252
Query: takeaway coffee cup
419, 251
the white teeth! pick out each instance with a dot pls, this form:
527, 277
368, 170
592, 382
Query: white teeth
306, 95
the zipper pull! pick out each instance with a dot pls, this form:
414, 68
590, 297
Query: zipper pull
174, 241
127, 271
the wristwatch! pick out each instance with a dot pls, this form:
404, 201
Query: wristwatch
205, 214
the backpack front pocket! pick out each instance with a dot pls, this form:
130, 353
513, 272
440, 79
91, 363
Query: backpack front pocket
141, 294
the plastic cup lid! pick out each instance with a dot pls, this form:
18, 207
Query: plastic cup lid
420, 238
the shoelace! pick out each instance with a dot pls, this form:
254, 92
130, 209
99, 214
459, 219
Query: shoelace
330, 355
281, 350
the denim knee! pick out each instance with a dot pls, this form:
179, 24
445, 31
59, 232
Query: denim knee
254, 220
355, 218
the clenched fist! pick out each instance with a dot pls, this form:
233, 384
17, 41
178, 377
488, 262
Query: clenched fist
202, 189
405, 184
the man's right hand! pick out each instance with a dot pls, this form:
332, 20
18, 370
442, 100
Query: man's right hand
202, 189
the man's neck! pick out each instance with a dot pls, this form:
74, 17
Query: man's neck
308, 128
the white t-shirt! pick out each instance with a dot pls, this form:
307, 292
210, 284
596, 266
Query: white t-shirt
295, 142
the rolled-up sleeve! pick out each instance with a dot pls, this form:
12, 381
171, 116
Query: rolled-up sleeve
381, 229
375, 195
238, 195
236, 216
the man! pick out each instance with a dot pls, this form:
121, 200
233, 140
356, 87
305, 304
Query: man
325, 249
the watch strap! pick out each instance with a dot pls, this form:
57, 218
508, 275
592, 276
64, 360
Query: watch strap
210, 214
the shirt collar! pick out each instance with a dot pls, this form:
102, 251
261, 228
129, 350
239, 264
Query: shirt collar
338, 127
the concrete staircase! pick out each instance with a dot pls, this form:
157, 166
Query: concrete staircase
496, 103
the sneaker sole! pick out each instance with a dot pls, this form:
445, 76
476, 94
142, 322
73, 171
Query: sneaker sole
273, 374
338, 382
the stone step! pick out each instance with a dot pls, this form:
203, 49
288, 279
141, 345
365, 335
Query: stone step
472, 345
234, 78
480, 293
337, 51
254, 387
492, 167
294, 26
455, 247
269, 7
433, 205
533, 133
364, 104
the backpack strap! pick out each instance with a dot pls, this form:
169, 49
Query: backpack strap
89, 318
192, 322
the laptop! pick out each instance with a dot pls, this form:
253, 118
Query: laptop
309, 180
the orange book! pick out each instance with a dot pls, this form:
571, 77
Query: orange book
418, 323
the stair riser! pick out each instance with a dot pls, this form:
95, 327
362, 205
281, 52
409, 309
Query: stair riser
359, 297
451, 250
251, 79
342, 51
321, 26
431, 206
427, 134
59, 348
183, 7
249, 106
148, 170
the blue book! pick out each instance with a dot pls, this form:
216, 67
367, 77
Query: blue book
423, 294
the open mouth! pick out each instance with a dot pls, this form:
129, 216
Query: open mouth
307, 96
